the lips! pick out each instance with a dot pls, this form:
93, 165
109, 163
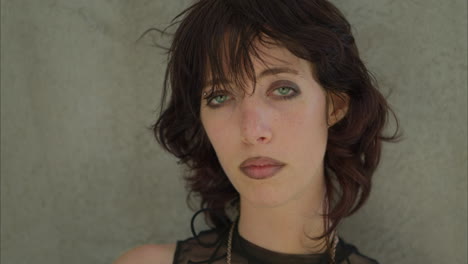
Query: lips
261, 161
261, 167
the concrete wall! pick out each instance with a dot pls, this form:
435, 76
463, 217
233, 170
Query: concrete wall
82, 179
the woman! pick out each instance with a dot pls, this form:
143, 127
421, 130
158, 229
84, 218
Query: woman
280, 124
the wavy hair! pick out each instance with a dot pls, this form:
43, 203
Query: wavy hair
313, 30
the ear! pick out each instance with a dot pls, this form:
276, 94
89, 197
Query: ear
337, 104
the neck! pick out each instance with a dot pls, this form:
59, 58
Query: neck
285, 228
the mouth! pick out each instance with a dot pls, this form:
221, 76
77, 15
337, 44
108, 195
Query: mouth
261, 167
261, 172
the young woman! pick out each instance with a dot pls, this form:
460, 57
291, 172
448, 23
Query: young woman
280, 124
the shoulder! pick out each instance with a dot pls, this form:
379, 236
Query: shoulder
148, 254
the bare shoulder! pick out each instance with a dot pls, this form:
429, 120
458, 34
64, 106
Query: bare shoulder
148, 254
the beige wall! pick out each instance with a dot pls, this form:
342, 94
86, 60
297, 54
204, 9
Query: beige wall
82, 179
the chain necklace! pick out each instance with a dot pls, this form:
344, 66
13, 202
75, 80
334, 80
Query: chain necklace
335, 242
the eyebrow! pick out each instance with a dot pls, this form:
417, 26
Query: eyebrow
266, 72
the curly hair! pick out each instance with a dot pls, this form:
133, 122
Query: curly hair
313, 30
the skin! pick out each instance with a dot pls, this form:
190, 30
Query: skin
275, 212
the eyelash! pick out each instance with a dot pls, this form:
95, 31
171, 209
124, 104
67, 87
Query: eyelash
208, 99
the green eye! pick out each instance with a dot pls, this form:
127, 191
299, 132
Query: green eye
216, 100
284, 90
220, 98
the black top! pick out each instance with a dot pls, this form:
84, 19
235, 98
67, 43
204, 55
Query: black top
210, 247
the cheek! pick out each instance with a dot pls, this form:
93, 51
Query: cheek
219, 133
308, 121
302, 131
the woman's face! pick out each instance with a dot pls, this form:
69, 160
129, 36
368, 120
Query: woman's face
284, 119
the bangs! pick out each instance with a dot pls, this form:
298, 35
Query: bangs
228, 62
224, 37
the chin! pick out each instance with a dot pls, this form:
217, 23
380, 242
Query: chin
266, 197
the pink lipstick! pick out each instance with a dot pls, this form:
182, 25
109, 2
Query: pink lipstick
261, 167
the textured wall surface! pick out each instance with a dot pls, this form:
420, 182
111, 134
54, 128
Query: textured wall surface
82, 179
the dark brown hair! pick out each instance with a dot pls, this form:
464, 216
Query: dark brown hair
314, 30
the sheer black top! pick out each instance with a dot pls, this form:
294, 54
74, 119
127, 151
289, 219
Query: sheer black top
210, 247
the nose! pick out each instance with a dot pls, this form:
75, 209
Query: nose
255, 122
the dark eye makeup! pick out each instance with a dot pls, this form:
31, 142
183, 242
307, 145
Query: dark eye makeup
221, 96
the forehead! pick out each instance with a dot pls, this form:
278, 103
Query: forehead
268, 57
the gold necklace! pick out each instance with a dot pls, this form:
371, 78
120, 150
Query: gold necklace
335, 242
